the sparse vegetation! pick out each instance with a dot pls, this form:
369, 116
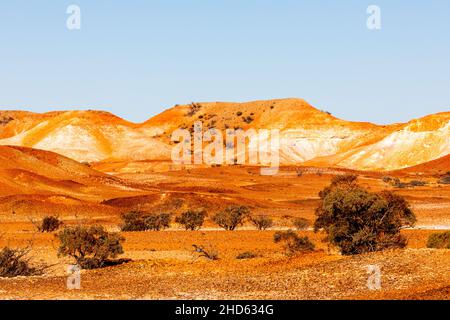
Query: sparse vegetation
262, 222
359, 221
246, 255
192, 219
16, 262
439, 240
248, 119
292, 243
210, 253
91, 247
49, 224
445, 179
194, 108
137, 221
301, 223
231, 217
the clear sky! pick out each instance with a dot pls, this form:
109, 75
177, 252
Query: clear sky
137, 58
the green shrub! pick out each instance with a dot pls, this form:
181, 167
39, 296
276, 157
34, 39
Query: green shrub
91, 247
192, 219
15, 262
359, 221
301, 223
49, 224
262, 222
292, 242
231, 217
439, 240
137, 221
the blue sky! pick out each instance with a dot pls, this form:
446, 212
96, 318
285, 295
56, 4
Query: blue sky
137, 58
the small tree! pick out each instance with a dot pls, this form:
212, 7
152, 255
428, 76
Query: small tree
133, 221
192, 219
91, 247
300, 223
210, 253
439, 240
262, 222
137, 221
49, 224
231, 217
292, 242
157, 222
358, 221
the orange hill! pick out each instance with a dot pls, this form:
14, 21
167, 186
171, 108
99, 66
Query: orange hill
308, 135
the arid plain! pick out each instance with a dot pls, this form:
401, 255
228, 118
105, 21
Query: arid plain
91, 167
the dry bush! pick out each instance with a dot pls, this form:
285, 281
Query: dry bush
262, 222
50, 224
292, 243
91, 247
439, 240
445, 179
246, 255
210, 253
192, 219
16, 262
231, 217
301, 223
358, 221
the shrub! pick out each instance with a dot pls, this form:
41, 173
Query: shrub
192, 219
262, 222
231, 217
157, 222
91, 247
300, 223
239, 113
210, 253
417, 183
136, 221
439, 240
49, 224
358, 221
246, 255
445, 179
14, 263
292, 242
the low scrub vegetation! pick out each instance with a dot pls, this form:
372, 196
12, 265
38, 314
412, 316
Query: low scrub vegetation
91, 247
301, 223
445, 179
16, 262
137, 221
262, 222
359, 221
246, 255
292, 243
49, 224
192, 219
231, 217
439, 240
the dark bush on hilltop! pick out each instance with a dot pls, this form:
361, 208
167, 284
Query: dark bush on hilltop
439, 240
292, 242
231, 217
262, 222
137, 221
15, 262
359, 221
301, 223
192, 219
91, 247
49, 224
